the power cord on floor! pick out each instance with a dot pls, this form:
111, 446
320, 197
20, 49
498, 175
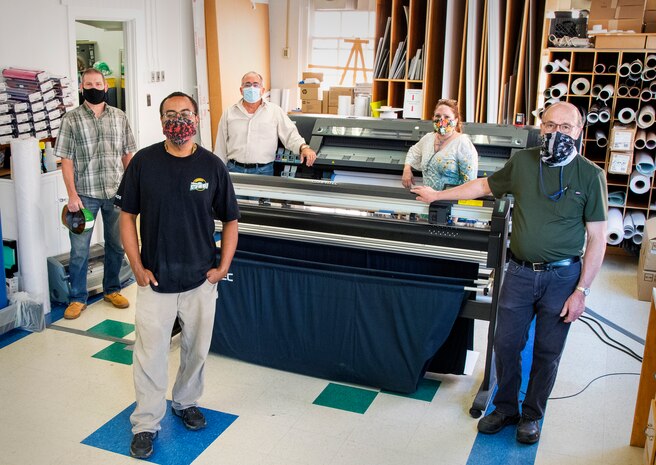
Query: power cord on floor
621, 347
588, 385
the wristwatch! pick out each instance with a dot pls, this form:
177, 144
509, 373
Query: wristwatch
585, 290
303, 147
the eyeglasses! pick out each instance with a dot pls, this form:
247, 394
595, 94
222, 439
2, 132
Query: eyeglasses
174, 114
252, 84
564, 128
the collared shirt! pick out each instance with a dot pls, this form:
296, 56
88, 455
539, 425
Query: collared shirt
96, 146
253, 138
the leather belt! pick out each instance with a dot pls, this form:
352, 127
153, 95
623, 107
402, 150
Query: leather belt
249, 165
547, 266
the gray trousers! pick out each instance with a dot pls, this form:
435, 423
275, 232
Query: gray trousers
154, 318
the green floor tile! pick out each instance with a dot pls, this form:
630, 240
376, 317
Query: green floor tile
426, 390
117, 352
112, 328
346, 398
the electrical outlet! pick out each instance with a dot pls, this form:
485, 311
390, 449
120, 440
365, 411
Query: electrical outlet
162, 75
285, 52
148, 103
152, 76
157, 76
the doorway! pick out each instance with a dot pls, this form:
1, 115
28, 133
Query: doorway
101, 45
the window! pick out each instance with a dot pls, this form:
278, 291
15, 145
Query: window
330, 52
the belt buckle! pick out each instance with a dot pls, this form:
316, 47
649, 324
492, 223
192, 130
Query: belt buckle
537, 266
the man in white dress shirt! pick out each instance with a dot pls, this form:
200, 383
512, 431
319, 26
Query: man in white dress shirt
249, 130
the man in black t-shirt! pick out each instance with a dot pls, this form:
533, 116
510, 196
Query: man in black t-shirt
178, 189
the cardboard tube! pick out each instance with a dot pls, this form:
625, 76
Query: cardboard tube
627, 226
606, 92
635, 67
604, 114
622, 91
650, 61
648, 74
600, 68
564, 64
639, 219
626, 115
645, 95
650, 142
615, 229
634, 91
595, 90
646, 116
624, 69
602, 140
640, 140
612, 69
558, 90
580, 86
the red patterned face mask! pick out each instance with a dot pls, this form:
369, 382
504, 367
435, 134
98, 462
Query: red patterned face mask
179, 130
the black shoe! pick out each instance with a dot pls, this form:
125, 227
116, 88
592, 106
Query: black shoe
495, 422
528, 430
141, 446
192, 417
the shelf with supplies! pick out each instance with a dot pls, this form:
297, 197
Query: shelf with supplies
616, 91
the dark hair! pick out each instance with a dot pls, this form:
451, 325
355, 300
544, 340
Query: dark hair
453, 104
178, 94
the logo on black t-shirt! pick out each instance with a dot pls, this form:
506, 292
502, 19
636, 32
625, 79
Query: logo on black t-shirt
199, 184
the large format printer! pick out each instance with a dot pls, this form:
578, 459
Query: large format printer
375, 145
356, 284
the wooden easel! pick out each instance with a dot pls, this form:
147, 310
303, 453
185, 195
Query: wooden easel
356, 52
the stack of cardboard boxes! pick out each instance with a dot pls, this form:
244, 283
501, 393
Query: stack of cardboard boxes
647, 262
311, 95
333, 98
623, 15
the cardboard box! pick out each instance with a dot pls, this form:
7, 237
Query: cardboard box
311, 106
332, 110
648, 248
630, 12
324, 106
634, 25
621, 137
623, 41
309, 91
620, 162
310, 75
651, 5
645, 284
650, 16
335, 92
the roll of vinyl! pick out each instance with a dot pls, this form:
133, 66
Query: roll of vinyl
636, 78
551, 67
650, 61
652, 86
616, 198
635, 67
564, 64
361, 106
640, 141
547, 92
344, 105
626, 115
604, 114
645, 95
637, 238
634, 91
624, 69
596, 89
648, 74
32, 258
646, 116
627, 226
622, 91
606, 92
650, 143
580, 86
644, 163
558, 90
551, 101
592, 117
639, 183
612, 69
600, 68
602, 139
615, 229
639, 219
284, 100
275, 95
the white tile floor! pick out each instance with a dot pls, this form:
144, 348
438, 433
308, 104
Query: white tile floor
53, 394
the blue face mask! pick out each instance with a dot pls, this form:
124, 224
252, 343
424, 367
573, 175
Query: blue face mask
252, 94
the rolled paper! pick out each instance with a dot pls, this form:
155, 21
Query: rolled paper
344, 105
644, 163
622, 91
611, 69
624, 69
606, 92
648, 74
652, 86
639, 183
580, 86
634, 91
558, 90
626, 115
650, 61
551, 67
635, 67
596, 89
592, 117
637, 238
600, 68
547, 92
645, 95
627, 226
650, 143
616, 198
563, 63
640, 140
551, 101
638, 218
602, 140
615, 229
646, 116
275, 95
604, 114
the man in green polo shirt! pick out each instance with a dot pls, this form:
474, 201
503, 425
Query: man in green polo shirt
560, 210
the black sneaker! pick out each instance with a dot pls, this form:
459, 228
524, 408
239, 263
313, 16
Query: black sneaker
495, 422
141, 446
192, 417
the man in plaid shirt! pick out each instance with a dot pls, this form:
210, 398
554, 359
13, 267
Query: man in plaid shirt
95, 144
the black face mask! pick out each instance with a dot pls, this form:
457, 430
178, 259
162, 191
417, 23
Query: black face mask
94, 96
556, 147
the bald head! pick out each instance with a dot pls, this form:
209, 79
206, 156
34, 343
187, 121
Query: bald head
562, 114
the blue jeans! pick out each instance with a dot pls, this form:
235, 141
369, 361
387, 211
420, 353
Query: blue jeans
79, 264
526, 293
261, 169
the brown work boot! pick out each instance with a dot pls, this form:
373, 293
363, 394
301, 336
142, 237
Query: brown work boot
117, 300
73, 310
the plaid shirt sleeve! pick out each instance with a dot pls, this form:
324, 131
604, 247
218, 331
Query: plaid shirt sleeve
65, 143
129, 145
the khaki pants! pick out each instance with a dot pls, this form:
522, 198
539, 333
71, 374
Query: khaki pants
155, 315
